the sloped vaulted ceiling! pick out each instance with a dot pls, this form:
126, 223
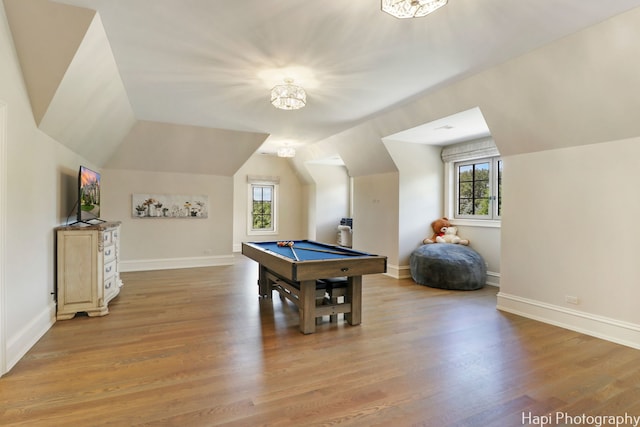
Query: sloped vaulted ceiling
78, 98
154, 146
539, 71
47, 36
76, 93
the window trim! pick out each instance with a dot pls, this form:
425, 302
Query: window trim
466, 152
274, 208
494, 162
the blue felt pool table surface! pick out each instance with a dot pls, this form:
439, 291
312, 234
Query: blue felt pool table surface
300, 246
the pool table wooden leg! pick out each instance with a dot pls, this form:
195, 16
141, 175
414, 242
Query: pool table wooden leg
354, 296
307, 306
264, 285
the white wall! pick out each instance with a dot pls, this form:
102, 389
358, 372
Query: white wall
570, 228
485, 241
291, 198
375, 214
310, 210
35, 173
420, 196
161, 243
331, 200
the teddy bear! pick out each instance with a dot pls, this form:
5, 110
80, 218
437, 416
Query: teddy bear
437, 227
451, 236
444, 232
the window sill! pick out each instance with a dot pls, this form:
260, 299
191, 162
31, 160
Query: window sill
488, 223
261, 233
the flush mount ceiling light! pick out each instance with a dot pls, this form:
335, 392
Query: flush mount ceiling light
288, 96
286, 152
411, 8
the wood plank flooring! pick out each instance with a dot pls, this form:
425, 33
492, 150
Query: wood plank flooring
197, 347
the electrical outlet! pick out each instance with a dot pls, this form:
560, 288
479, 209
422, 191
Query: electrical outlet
571, 299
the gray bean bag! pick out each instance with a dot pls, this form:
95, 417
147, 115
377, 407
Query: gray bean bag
448, 266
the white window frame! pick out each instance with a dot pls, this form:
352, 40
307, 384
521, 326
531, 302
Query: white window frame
262, 182
493, 188
467, 153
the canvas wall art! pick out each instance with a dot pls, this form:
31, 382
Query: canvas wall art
169, 206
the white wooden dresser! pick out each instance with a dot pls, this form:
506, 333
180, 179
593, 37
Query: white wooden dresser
88, 270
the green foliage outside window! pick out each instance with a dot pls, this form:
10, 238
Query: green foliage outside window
474, 189
480, 189
261, 215
262, 209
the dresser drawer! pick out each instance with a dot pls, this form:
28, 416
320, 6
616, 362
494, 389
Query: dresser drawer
110, 288
109, 269
109, 253
107, 237
109, 284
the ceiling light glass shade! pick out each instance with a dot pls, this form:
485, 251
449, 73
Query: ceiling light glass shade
286, 152
288, 96
411, 8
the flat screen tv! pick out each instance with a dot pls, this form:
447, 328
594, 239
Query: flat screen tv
88, 195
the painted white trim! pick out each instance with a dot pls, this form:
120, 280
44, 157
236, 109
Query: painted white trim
606, 328
487, 223
28, 336
398, 272
493, 278
174, 263
4, 367
274, 209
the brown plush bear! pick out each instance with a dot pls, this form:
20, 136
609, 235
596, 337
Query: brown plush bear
443, 232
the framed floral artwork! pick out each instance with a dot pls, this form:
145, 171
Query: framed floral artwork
169, 206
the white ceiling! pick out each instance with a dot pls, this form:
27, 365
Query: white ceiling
212, 63
459, 127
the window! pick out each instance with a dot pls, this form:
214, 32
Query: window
473, 182
478, 189
261, 218
262, 207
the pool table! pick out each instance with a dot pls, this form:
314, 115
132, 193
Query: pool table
295, 270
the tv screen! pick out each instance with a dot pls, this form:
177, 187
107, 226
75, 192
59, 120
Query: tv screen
88, 195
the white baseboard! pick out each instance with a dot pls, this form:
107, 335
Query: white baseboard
606, 328
19, 344
173, 263
493, 279
398, 272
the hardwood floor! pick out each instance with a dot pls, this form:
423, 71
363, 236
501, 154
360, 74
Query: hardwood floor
198, 348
